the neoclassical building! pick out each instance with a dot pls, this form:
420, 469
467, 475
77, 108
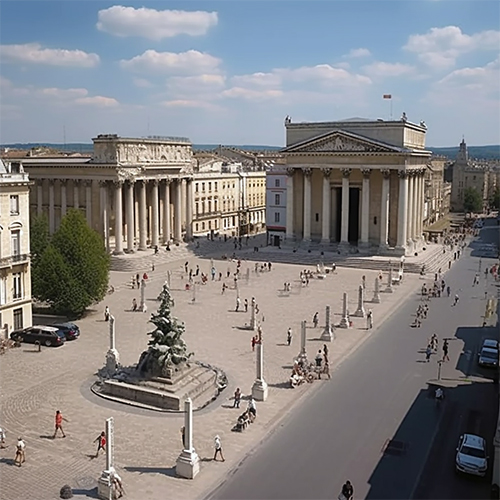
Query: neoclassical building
356, 184
135, 192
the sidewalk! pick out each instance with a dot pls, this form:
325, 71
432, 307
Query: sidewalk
147, 444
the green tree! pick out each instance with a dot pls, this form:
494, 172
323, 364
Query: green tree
73, 271
39, 242
473, 201
495, 199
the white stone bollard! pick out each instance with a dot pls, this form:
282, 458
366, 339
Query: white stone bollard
188, 462
328, 333
112, 356
344, 322
376, 292
259, 388
303, 338
360, 311
105, 482
389, 282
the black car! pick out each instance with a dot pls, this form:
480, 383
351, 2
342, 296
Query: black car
70, 330
46, 335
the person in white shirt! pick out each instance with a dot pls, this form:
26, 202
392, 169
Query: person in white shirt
20, 452
2, 438
218, 448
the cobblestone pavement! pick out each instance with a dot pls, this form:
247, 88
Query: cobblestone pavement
147, 443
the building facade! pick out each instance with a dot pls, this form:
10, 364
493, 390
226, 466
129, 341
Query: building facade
356, 184
15, 277
276, 179
437, 192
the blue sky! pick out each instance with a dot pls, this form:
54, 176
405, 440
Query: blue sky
229, 72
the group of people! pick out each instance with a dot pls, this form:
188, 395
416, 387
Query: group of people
422, 311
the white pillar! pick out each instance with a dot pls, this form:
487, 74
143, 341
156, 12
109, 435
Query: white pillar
52, 219
376, 292
155, 215
64, 197
360, 311
259, 388
129, 195
105, 483
253, 317
365, 208
166, 212
178, 211
39, 196
88, 202
189, 209
328, 333
344, 228
345, 322
409, 211
76, 194
188, 462
327, 203
289, 203
418, 210
402, 209
384, 212
389, 281
143, 222
104, 212
303, 338
118, 218
307, 173
112, 356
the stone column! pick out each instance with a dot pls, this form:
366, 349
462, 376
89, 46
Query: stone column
105, 482
365, 208
143, 295
307, 173
166, 212
376, 292
303, 338
289, 204
188, 462
402, 209
344, 322
118, 218
409, 212
52, 218
104, 211
344, 228
389, 282
155, 226
328, 333
417, 210
112, 356
253, 319
39, 196
360, 311
259, 388
129, 200
384, 212
327, 203
64, 197
143, 221
183, 203
189, 209
88, 202
76, 194
178, 212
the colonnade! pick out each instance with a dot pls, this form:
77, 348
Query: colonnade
127, 209
410, 205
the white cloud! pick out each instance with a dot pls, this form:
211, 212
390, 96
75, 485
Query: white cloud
383, 69
201, 85
143, 83
251, 95
63, 94
97, 101
187, 103
324, 74
154, 24
440, 47
190, 62
361, 52
258, 80
33, 53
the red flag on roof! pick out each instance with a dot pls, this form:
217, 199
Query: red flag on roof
387, 96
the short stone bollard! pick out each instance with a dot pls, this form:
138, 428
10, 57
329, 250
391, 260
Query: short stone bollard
39, 345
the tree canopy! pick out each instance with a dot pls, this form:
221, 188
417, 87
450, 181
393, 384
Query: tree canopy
70, 270
495, 199
473, 202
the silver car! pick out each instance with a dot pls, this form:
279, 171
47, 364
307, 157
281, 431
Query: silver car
471, 455
488, 355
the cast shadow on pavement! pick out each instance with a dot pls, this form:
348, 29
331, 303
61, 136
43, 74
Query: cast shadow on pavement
167, 471
8, 461
92, 493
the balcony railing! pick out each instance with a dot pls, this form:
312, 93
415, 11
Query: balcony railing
14, 259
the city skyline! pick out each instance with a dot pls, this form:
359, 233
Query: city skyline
219, 72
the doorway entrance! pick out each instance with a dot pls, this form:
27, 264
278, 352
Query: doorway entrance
353, 229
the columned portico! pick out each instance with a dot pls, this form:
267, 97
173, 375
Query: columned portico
365, 208
39, 197
384, 208
143, 221
64, 197
417, 215
326, 206
410, 213
166, 212
52, 218
344, 227
155, 203
104, 202
402, 209
76, 194
178, 211
189, 209
129, 194
88, 202
289, 203
307, 204
118, 218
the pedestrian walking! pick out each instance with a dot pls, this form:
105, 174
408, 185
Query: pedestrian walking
186, 266
238, 303
448, 290
289, 336
2, 438
101, 443
445, 351
134, 305
325, 353
246, 305
107, 314
457, 298
138, 280
58, 424
369, 320
254, 341
20, 457
237, 398
218, 448
319, 358
315, 319
252, 409
428, 352
183, 437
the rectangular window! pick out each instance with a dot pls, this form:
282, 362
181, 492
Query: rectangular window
196, 227
15, 238
196, 187
18, 318
276, 199
14, 204
276, 216
17, 280
203, 226
209, 224
203, 186
210, 186
215, 186
3, 291
276, 183
209, 206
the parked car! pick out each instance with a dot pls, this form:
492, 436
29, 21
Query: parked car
70, 330
471, 455
488, 355
46, 335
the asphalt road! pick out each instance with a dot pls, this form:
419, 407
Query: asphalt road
375, 422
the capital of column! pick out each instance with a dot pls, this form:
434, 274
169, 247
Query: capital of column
326, 172
104, 184
307, 171
87, 183
366, 172
52, 182
118, 183
402, 174
166, 181
290, 171
386, 173
155, 182
346, 172
130, 182
63, 182
77, 182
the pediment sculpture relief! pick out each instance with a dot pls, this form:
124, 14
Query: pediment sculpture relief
339, 144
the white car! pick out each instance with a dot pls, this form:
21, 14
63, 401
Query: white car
471, 455
488, 355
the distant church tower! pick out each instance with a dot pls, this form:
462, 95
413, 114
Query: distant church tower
462, 155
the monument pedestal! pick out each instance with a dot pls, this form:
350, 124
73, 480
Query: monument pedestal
327, 335
188, 464
112, 361
259, 390
105, 485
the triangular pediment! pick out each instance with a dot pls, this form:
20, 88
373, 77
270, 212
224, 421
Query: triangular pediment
339, 141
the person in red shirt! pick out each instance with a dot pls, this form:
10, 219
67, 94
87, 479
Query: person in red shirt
101, 443
59, 421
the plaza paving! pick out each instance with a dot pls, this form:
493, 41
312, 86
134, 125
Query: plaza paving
147, 443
